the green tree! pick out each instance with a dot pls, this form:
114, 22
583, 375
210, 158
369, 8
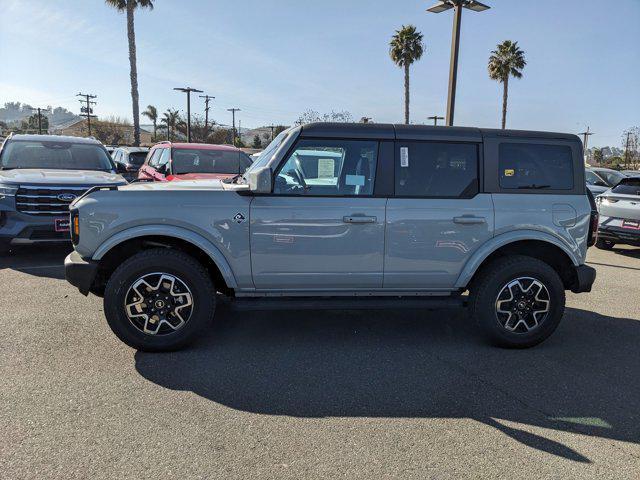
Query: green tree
257, 143
170, 119
129, 7
405, 48
30, 124
152, 114
597, 156
506, 61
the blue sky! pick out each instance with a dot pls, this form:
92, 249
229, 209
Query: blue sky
277, 58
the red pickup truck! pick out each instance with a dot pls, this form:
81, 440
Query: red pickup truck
168, 161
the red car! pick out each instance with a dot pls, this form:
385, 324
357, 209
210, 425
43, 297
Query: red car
168, 161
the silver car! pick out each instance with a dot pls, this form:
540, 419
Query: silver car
338, 216
619, 210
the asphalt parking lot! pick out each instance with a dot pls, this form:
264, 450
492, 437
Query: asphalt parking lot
330, 395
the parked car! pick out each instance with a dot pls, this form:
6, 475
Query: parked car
40, 175
619, 210
110, 149
190, 161
599, 180
631, 173
348, 216
128, 160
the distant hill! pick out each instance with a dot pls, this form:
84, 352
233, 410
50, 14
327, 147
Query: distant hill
16, 111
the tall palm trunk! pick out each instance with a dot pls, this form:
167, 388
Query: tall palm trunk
406, 93
505, 95
134, 73
155, 130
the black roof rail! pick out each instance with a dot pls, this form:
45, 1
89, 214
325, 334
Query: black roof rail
95, 189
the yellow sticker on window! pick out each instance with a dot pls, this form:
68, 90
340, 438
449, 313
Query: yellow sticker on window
509, 172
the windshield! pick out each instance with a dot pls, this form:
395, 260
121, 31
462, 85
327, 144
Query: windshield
611, 176
205, 161
137, 158
268, 152
55, 155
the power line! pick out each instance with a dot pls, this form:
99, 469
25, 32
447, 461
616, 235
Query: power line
87, 111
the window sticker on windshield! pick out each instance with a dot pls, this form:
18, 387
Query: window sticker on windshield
357, 180
404, 156
509, 172
326, 168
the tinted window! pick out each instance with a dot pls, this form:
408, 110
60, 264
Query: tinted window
205, 161
329, 167
611, 176
432, 169
535, 166
137, 158
629, 186
591, 178
55, 155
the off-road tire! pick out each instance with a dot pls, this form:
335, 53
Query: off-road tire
172, 262
491, 280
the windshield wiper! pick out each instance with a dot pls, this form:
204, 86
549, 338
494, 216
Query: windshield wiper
533, 186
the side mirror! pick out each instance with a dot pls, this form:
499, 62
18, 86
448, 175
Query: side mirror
260, 180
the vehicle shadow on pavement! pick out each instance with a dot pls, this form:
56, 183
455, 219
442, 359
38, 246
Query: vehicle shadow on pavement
412, 364
40, 261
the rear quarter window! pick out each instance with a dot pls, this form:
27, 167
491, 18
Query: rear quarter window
629, 186
535, 166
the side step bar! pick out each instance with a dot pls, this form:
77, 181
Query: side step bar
346, 303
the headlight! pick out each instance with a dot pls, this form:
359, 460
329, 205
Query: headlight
7, 190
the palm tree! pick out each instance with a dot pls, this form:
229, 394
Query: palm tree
406, 47
170, 118
152, 114
506, 61
129, 6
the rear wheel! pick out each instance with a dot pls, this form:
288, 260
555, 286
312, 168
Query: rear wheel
159, 300
517, 301
603, 244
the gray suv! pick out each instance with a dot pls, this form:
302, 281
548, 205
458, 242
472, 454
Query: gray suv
40, 175
335, 216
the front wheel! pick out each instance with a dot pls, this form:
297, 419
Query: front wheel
159, 300
517, 301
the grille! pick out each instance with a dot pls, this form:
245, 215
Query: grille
47, 200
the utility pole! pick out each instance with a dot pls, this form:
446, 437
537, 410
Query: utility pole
626, 151
435, 119
39, 110
585, 138
233, 131
207, 98
457, 6
87, 110
271, 127
188, 91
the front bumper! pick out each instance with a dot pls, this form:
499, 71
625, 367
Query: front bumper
80, 272
17, 228
585, 276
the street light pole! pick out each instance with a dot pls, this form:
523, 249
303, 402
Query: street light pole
188, 91
457, 6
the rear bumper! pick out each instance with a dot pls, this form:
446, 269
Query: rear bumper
619, 235
585, 276
80, 272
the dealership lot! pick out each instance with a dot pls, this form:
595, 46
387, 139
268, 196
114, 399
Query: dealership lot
335, 394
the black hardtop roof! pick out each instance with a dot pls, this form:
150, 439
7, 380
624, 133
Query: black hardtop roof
419, 132
52, 138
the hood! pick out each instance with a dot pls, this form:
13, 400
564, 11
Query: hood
197, 176
183, 185
59, 177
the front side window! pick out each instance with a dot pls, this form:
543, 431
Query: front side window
137, 158
191, 160
329, 168
535, 166
436, 169
56, 155
155, 157
592, 179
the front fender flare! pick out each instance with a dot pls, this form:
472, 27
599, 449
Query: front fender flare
171, 231
501, 240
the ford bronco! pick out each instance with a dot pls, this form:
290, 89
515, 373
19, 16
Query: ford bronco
340, 216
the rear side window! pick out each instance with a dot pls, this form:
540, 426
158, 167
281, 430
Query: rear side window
628, 186
433, 169
535, 166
